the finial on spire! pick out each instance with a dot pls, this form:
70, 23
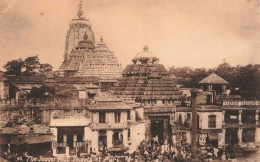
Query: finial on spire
145, 48
85, 36
101, 39
80, 12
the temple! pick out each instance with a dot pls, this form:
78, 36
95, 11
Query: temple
82, 58
147, 81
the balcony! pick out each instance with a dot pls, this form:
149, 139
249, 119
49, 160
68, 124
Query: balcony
243, 124
56, 144
82, 146
241, 103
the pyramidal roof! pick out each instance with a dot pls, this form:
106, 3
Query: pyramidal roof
213, 79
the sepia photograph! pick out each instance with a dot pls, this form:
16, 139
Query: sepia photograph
129, 80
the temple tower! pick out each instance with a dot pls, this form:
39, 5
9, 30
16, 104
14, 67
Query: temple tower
78, 27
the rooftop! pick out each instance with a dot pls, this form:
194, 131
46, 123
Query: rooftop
213, 79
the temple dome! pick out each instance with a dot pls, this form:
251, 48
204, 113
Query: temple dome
101, 46
145, 56
85, 43
77, 22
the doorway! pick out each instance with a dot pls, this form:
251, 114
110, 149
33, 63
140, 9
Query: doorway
70, 141
157, 129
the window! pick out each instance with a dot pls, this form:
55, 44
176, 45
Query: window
212, 121
117, 138
248, 135
180, 117
117, 117
188, 116
102, 117
128, 115
129, 135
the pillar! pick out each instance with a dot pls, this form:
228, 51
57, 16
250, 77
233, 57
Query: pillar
221, 138
209, 87
87, 137
194, 93
109, 138
257, 117
257, 137
188, 137
223, 88
55, 134
223, 117
94, 141
87, 134
74, 140
240, 117
239, 134
125, 137
67, 151
174, 141
64, 138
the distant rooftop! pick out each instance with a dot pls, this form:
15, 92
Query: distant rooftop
108, 102
213, 79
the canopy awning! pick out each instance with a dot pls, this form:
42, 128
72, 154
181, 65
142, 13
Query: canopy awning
27, 139
40, 139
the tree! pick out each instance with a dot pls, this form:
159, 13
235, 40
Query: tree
14, 67
197, 75
248, 79
45, 69
182, 74
32, 65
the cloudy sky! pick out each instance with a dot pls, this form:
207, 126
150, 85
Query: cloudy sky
191, 33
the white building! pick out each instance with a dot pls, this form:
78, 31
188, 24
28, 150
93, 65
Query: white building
108, 124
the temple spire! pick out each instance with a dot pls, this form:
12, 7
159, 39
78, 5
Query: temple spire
80, 12
145, 48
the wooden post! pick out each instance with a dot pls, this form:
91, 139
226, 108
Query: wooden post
194, 93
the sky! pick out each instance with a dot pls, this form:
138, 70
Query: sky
201, 33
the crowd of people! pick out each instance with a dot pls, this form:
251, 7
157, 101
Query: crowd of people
155, 151
147, 151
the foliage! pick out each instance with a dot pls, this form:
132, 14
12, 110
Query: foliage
245, 78
14, 67
31, 66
